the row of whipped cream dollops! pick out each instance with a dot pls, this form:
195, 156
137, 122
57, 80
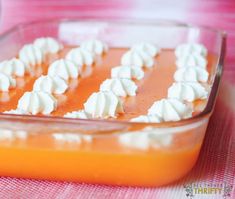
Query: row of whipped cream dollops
191, 77
108, 101
42, 100
191, 63
29, 56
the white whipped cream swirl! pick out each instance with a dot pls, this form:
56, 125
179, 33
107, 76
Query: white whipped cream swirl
119, 86
191, 74
147, 119
191, 60
12, 135
64, 68
6, 82
81, 114
50, 84
127, 72
48, 44
80, 57
71, 138
31, 55
137, 58
190, 48
188, 91
103, 105
149, 48
95, 46
14, 67
37, 102
170, 110
145, 139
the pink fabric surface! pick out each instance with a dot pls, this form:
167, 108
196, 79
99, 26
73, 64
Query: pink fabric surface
216, 163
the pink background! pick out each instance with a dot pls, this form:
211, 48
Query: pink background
216, 163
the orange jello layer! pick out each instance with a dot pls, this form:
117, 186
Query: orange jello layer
129, 169
152, 87
105, 159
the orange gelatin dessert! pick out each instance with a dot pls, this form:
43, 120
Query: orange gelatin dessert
138, 153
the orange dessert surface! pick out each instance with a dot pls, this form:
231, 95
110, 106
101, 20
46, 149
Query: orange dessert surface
151, 88
104, 160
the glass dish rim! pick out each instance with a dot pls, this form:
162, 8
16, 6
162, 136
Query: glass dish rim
160, 22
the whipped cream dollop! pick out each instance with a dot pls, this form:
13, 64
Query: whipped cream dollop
64, 68
50, 84
191, 74
103, 104
31, 55
190, 48
80, 57
17, 112
81, 114
119, 86
12, 135
149, 48
14, 67
145, 139
37, 102
191, 60
136, 140
127, 72
67, 137
72, 138
147, 119
170, 110
137, 58
95, 46
6, 82
48, 44
188, 91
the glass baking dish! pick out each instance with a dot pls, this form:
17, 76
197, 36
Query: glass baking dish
102, 151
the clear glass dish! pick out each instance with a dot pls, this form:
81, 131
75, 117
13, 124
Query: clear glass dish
99, 151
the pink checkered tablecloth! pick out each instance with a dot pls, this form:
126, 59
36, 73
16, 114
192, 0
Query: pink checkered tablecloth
216, 163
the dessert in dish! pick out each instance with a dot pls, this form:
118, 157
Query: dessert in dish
140, 82
112, 113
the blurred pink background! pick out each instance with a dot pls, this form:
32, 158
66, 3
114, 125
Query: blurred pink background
216, 163
215, 13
